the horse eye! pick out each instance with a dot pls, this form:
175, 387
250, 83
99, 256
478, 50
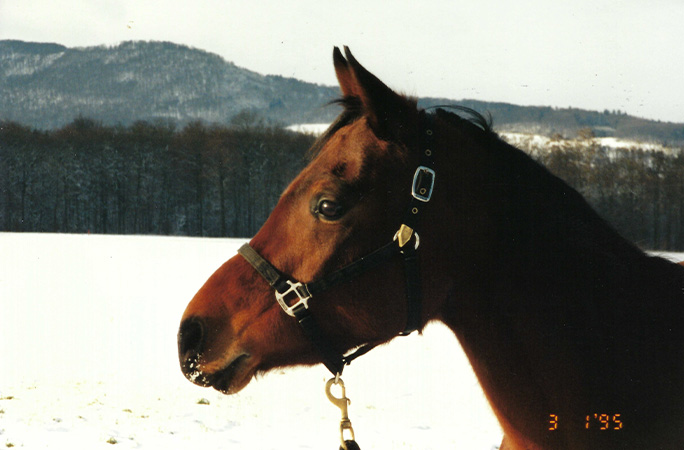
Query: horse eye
329, 209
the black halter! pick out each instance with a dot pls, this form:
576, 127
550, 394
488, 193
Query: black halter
293, 296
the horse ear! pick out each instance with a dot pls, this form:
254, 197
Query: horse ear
388, 113
344, 75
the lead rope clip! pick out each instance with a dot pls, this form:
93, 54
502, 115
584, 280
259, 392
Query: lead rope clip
342, 402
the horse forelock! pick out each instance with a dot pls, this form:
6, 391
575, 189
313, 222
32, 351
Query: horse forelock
353, 110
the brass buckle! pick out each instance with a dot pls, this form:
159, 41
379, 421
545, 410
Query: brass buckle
404, 235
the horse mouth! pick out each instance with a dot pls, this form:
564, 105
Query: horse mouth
232, 378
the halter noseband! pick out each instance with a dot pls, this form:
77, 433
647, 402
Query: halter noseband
293, 296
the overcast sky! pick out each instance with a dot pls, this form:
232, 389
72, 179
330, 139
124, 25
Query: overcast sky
593, 54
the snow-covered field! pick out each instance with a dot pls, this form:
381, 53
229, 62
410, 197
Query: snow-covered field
88, 360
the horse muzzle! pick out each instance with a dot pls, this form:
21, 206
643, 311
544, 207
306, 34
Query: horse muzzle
228, 376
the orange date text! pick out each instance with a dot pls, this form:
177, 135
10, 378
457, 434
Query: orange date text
593, 421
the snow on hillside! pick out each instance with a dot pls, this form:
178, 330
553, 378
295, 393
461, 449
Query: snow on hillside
528, 141
88, 361
309, 128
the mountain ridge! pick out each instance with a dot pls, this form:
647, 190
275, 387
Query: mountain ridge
47, 85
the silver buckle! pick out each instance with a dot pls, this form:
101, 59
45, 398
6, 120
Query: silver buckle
423, 184
302, 298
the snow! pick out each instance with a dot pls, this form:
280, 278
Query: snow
88, 361
309, 128
534, 141
672, 256
527, 141
616, 143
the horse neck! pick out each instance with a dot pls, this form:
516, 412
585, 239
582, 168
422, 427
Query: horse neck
521, 230
539, 279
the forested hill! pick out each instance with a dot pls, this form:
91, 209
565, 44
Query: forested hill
47, 86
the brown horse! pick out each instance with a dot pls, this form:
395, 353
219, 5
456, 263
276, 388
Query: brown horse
575, 335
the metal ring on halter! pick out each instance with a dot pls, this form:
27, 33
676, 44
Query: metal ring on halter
417, 240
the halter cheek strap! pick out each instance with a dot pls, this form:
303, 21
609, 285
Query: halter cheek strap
286, 289
293, 296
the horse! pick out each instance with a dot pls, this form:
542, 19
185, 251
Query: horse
406, 216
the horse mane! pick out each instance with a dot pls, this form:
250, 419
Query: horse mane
353, 110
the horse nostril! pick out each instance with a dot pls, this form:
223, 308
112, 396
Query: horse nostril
191, 338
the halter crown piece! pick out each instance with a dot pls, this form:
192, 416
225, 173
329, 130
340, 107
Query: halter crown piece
294, 296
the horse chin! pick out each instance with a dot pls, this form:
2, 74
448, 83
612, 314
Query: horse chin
233, 377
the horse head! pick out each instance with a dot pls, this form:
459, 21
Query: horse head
349, 201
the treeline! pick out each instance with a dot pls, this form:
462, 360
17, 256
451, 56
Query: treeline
640, 192
200, 180
147, 178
